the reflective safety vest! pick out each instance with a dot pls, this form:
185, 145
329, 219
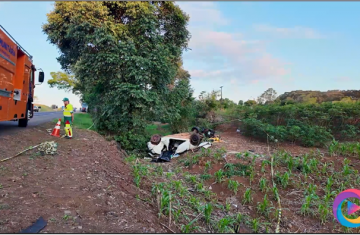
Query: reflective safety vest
68, 110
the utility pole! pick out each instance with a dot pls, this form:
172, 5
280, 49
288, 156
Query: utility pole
221, 92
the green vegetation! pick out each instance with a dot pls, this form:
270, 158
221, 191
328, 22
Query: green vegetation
127, 77
162, 129
305, 124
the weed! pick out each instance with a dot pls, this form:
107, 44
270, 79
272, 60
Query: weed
219, 176
238, 155
208, 208
1, 186
263, 184
66, 217
159, 170
137, 180
233, 185
130, 159
247, 196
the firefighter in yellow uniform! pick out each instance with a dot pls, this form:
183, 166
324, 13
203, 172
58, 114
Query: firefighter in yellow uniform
68, 117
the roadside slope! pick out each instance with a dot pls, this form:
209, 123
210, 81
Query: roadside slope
86, 187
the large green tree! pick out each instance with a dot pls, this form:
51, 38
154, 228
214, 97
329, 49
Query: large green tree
126, 56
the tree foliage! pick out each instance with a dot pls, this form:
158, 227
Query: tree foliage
127, 58
268, 96
64, 81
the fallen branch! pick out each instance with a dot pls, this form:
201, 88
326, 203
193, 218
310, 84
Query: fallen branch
167, 227
30, 148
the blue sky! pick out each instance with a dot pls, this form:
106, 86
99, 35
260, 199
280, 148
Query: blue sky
246, 47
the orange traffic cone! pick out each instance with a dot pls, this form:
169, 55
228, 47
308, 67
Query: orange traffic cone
56, 130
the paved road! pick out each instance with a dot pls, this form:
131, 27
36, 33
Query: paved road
39, 118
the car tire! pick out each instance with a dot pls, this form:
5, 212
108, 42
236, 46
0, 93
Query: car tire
195, 139
195, 129
155, 139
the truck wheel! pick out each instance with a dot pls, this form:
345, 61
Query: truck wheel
23, 122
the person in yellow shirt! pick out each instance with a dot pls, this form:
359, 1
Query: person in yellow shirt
68, 116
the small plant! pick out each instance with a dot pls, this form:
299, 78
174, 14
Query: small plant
233, 185
189, 228
329, 183
159, 170
227, 206
252, 174
323, 212
208, 208
192, 179
263, 207
275, 192
205, 176
199, 187
285, 179
255, 224
311, 190
207, 166
263, 184
219, 176
224, 225
169, 175
247, 196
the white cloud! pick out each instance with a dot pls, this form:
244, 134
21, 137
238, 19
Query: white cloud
241, 64
203, 13
294, 32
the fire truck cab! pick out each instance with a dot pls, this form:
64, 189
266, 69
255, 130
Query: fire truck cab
17, 82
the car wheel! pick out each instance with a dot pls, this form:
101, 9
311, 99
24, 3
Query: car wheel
155, 139
195, 129
195, 139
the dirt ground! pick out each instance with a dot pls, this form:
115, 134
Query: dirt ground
85, 188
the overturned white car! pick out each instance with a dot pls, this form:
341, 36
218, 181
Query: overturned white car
176, 144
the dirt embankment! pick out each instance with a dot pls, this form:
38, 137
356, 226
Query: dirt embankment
85, 188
